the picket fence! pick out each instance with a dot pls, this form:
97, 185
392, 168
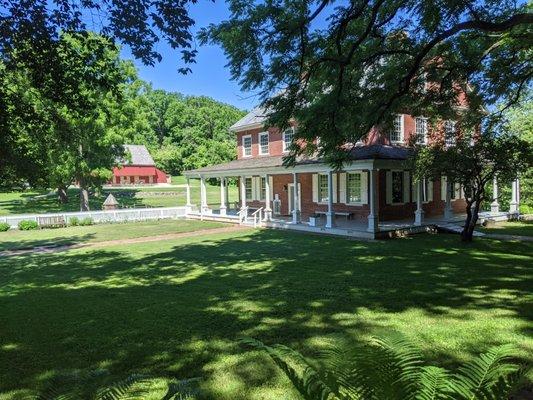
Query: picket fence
109, 216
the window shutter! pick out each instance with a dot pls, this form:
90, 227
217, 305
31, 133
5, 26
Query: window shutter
254, 180
342, 188
388, 184
334, 187
458, 191
406, 186
315, 188
364, 187
430, 190
271, 180
414, 186
443, 188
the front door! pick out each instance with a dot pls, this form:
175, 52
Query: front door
290, 193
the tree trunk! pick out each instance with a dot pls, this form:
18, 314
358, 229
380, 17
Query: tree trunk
84, 197
62, 194
472, 216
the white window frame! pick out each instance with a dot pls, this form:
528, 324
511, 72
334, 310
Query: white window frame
251, 188
360, 173
425, 136
401, 129
285, 147
262, 188
244, 147
262, 135
320, 199
447, 123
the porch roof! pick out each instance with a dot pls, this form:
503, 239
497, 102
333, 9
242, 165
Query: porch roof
357, 153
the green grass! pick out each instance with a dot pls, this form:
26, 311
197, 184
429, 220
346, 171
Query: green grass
15, 239
521, 228
178, 307
26, 203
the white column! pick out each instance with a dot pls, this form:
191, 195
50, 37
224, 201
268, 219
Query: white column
373, 223
515, 195
495, 205
419, 213
268, 191
243, 192
188, 193
448, 212
223, 196
330, 215
203, 196
296, 214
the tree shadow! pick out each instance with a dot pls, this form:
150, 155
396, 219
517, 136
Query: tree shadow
180, 309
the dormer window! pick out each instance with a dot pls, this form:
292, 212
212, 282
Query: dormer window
396, 134
263, 143
288, 137
421, 130
247, 146
450, 132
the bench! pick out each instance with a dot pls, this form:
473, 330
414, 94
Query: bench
51, 222
348, 215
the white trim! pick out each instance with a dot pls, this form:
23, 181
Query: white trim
244, 155
291, 198
247, 127
426, 133
259, 136
402, 128
362, 183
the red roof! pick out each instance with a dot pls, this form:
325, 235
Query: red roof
134, 171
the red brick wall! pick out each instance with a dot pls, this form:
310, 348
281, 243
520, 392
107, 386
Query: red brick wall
275, 142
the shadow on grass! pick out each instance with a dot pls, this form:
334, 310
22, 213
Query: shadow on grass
49, 242
179, 309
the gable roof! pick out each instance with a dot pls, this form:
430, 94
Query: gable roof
139, 155
254, 119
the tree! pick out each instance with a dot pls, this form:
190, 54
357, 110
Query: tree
474, 163
341, 68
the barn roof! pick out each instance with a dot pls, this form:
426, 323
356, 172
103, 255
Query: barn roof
139, 155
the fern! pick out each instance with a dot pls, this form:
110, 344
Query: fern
392, 369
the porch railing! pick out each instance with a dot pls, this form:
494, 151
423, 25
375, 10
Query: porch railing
243, 215
257, 216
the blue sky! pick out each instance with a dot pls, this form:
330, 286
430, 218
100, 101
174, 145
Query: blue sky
209, 76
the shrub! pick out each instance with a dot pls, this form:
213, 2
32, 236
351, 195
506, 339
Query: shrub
86, 221
4, 226
28, 225
74, 221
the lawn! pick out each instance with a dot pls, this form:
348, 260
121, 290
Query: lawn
521, 228
15, 239
28, 203
177, 307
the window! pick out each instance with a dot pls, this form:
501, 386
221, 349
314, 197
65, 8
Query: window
288, 136
449, 132
353, 187
262, 189
247, 146
396, 134
397, 186
263, 143
322, 188
248, 188
421, 128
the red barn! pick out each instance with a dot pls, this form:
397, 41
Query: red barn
140, 170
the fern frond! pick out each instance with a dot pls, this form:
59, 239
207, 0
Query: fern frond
183, 389
474, 380
122, 390
309, 384
433, 384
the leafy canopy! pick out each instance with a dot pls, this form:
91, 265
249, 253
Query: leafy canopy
340, 68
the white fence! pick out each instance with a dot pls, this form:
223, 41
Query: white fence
124, 215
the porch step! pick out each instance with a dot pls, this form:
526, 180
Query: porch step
214, 217
453, 228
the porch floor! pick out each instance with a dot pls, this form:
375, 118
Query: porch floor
358, 228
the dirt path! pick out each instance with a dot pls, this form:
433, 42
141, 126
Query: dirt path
108, 243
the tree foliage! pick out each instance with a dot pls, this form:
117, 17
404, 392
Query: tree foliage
392, 368
341, 68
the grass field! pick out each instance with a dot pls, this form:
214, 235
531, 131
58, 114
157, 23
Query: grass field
16, 239
27, 203
176, 308
521, 228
